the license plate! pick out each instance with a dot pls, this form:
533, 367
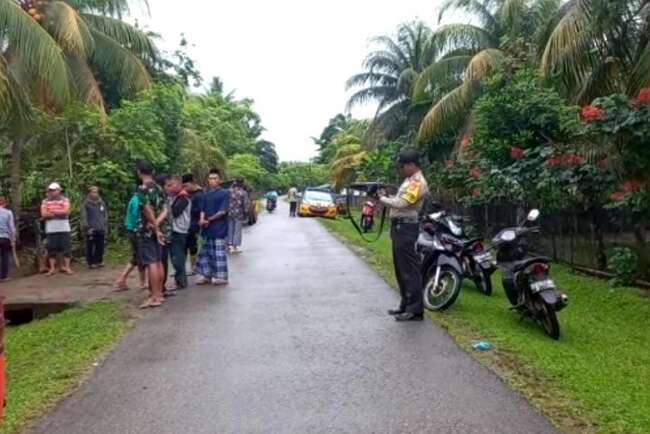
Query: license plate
542, 285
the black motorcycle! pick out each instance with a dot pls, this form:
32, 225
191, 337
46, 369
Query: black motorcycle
270, 205
447, 258
526, 279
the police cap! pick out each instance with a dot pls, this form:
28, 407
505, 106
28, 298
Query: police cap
409, 155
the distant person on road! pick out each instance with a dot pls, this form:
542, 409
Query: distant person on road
272, 199
150, 232
131, 223
94, 224
292, 195
7, 238
180, 209
212, 264
195, 193
238, 210
55, 210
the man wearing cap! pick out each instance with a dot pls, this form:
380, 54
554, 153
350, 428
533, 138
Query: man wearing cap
404, 209
55, 210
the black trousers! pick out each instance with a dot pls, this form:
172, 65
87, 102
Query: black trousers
407, 266
5, 256
292, 208
95, 244
178, 252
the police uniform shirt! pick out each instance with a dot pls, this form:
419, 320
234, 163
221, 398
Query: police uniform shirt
408, 201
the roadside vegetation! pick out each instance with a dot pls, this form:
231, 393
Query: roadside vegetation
594, 379
49, 357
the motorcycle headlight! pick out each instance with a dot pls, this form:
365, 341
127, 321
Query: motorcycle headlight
508, 236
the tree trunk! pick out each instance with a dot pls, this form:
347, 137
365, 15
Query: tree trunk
639, 236
14, 179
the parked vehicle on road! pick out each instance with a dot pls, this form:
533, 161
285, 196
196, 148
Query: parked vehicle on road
368, 215
526, 280
317, 203
270, 205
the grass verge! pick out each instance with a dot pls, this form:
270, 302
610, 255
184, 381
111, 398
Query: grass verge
47, 358
596, 378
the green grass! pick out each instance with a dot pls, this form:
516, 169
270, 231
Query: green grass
596, 378
47, 358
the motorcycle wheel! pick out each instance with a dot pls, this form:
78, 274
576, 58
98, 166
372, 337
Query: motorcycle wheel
449, 285
482, 280
548, 319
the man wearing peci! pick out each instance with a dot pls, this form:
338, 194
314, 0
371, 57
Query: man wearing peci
404, 209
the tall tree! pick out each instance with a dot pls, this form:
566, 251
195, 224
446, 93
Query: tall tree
468, 52
267, 154
337, 124
55, 51
598, 47
390, 72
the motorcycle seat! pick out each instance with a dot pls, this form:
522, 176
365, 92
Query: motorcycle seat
467, 243
518, 266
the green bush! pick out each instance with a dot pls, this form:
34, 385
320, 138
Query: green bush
624, 263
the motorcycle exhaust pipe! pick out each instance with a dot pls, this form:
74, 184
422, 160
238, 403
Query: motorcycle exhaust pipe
562, 302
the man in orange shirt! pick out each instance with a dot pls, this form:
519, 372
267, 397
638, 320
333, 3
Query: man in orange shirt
55, 210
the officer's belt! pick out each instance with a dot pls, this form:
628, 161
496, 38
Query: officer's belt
404, 221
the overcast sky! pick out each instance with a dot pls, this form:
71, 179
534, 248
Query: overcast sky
291, 56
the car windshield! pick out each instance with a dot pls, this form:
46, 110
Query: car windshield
317, 196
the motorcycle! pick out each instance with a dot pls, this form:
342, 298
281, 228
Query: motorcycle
526, 279
447, 258
270, 205
368, 216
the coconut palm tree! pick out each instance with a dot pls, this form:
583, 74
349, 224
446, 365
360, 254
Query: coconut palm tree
350, 154
465, 53
598, 47
389, 74
55, 51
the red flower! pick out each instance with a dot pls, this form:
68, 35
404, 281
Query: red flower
573, 160
644, 97
475, 172
516, 153
617, 196
591, 113
449, 164
476, 192
554, 161
632, 185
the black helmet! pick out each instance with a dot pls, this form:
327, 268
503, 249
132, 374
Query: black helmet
409, 155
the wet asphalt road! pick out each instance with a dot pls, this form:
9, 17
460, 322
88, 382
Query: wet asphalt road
298, 343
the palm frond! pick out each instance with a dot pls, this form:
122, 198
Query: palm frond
640, 75
14, 101
511, 16
445, 114
482, 64
114, 8
125, 34
68, 29
446, 70
468, 36
87, 88
120, 63
406, 80
384, 94
472, 7
568, 52
370, 78
382, 61
392, 47
31, 45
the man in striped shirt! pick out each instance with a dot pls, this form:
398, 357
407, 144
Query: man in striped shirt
55, 210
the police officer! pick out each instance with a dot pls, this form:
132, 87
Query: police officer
405, 208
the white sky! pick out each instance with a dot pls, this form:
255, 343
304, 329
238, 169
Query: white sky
291, 56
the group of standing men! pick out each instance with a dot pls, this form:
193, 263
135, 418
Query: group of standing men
164, 225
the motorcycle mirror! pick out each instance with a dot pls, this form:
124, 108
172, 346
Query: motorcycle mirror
533, 215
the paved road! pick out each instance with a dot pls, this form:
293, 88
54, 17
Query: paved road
298, 343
